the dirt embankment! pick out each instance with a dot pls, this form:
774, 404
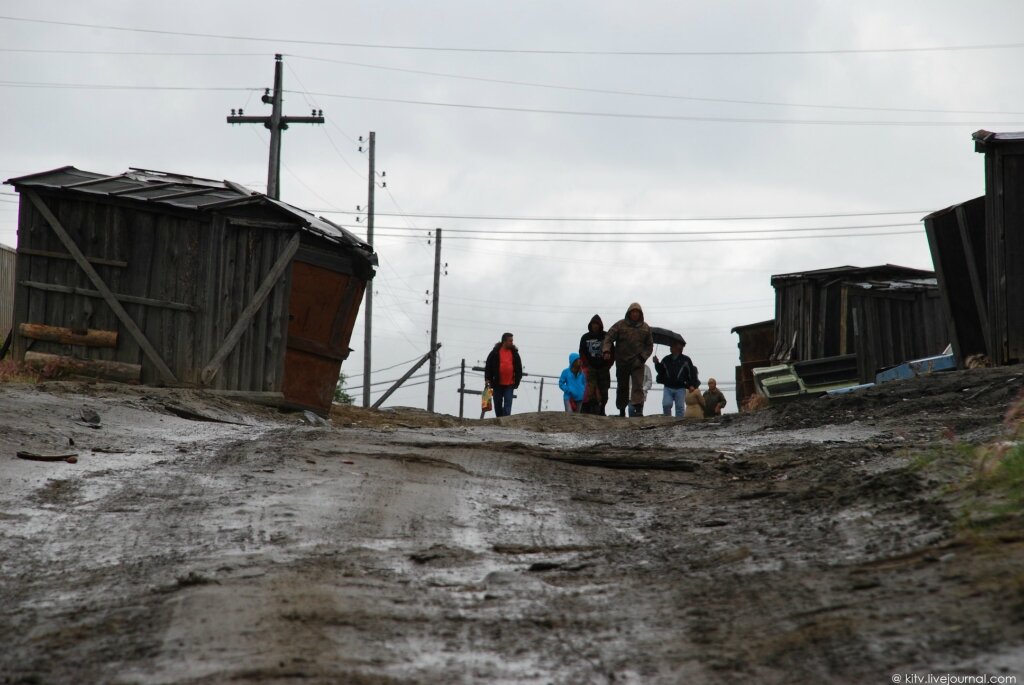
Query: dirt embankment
198, 540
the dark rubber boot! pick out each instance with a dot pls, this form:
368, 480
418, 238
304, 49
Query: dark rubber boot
638, 410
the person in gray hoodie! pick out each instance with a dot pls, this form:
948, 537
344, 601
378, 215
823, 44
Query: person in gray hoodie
630, 343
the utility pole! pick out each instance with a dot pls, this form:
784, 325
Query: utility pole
433, 321
368, 315
462, 389
277, 123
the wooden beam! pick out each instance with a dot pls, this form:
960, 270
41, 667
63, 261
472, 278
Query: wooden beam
66, 336
114, 371
245, 318
130, 299
62, 255
126, 320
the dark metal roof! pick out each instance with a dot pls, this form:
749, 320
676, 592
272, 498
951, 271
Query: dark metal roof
759, 324
180, 192
952, 208
984, 136
882, 272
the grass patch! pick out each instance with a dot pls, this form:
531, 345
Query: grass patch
987, 480
24, 372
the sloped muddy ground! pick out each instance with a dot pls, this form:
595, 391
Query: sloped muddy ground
199, 540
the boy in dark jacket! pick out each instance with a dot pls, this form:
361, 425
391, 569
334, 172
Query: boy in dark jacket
599, 376
678, 374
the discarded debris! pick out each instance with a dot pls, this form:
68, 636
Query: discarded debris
89, 417
314, 420
70, 458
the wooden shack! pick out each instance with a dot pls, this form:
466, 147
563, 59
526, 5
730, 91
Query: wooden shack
884, 315
756, 342
978, 250
7, 260
177, 280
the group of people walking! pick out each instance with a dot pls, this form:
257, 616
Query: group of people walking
586, 382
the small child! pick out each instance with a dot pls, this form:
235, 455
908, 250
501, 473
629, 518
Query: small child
694, 403
573, 384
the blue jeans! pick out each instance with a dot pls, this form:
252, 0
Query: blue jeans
673, 396
503, 399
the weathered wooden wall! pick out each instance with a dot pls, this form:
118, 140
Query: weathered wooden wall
892, 327
756, 342
182, 277
1004, 216
7, 263
956, 237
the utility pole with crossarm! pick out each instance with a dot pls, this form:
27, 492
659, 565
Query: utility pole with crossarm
277, 123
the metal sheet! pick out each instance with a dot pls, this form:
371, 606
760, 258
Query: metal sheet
322, 311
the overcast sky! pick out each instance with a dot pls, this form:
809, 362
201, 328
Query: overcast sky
731, 110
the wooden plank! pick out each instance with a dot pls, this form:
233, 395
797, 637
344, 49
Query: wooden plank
114, 371
108, 296
64, 255
86, 292
66, 336
254, 305
263, 319
277, 340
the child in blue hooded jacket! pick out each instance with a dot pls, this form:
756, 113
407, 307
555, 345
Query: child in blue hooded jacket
573, 384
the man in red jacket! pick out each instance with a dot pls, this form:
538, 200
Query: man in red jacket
503, 372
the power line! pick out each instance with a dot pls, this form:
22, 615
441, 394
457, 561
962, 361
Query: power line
523, 110
668, 117
614, 219
804, 229
658, 240
663, 96
528, 51
108, 86
529, 84
133, 53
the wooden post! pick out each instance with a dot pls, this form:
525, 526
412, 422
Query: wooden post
114, 371
66, 336
462, 389
433, 322
368, 304
405, 377
540, 398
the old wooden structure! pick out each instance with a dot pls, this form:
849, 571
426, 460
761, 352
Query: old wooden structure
7, 259
884, 315
201, 283
978, 250
756, 342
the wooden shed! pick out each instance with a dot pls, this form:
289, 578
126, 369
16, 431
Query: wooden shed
756, 342
178, 280
883, 314
1004, 242
978, 250
7, 259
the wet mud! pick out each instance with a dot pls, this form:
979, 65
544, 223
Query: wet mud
200, 540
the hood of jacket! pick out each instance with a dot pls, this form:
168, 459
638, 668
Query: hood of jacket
497, 346
636, 306
573, 356
595, 319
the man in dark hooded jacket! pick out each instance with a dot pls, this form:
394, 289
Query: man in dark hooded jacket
630, 343
599, 377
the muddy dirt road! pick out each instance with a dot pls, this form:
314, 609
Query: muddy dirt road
198, 540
